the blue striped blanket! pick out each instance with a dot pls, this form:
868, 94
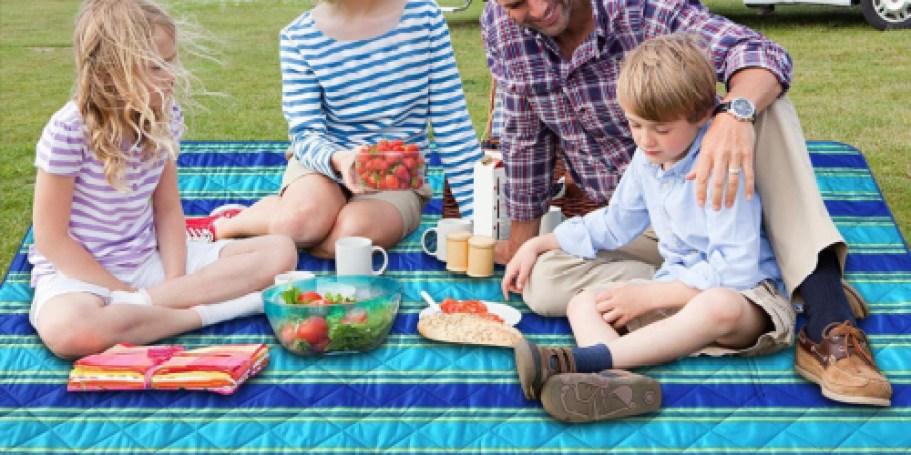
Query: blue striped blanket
413, 395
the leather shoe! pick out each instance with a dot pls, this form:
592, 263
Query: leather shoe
843, 366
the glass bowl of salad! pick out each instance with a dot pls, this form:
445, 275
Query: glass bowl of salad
332, 314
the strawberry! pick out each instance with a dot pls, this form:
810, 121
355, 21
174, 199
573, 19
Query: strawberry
390, 182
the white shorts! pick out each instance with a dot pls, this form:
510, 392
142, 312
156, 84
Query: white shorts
149, 273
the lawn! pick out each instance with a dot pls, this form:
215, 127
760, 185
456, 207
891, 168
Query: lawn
851, 83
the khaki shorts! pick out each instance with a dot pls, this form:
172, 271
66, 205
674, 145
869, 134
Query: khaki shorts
409, 203
766, 295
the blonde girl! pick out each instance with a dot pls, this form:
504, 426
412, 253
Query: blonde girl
111, 260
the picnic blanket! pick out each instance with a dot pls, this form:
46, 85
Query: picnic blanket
413, 395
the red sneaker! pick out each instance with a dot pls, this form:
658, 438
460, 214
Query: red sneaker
227, 210
203, 228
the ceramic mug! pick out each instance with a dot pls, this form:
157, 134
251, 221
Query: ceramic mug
443, 228
354, 256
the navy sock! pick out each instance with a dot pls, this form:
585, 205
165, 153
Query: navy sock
592, 359
824, 297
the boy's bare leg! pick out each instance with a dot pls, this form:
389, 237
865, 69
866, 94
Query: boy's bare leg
721, 316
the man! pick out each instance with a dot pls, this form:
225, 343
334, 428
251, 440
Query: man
555, 63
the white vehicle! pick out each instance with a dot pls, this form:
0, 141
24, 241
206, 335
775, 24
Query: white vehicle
881, 14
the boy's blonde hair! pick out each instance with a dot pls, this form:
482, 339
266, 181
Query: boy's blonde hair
115, 50
667, 78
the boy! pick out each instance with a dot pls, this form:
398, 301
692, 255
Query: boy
719, 290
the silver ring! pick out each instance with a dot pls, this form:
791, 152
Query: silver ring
734, 170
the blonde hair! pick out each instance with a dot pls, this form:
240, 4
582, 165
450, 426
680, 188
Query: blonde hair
667, 78
114, 49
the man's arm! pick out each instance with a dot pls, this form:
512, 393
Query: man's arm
750, 65
519, 233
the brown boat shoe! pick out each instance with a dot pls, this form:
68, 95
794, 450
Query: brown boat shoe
591, 397
535, 364
843, 366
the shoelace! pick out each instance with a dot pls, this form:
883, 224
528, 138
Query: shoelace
199, 234
854, 338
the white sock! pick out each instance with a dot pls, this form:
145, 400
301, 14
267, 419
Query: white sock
140, 297
235, 308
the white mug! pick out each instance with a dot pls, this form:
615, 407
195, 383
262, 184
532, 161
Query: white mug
443, 228
354, 256
294, 275
551, 220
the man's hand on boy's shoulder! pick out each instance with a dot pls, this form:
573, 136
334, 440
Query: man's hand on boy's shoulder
726, 153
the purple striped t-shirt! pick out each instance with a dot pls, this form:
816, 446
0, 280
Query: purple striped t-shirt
114, 227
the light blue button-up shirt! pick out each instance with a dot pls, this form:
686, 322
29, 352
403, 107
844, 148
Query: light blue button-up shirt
701, 247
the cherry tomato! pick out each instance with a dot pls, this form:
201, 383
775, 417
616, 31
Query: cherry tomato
313, 329
287, 334
355, 316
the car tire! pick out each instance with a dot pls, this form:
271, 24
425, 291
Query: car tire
887, 14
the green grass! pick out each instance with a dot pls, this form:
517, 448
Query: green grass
851, 84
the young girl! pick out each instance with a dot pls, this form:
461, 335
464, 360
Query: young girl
111, 261
355, 72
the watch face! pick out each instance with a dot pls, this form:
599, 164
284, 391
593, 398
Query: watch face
742, 108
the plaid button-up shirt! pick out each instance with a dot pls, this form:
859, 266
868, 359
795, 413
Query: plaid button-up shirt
552, 104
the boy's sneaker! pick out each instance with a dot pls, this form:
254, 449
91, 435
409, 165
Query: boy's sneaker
843, 366
590, 397
203, 228
535, 364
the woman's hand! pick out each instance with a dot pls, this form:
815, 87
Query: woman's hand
343, 163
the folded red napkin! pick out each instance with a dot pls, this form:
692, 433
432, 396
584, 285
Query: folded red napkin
220, 369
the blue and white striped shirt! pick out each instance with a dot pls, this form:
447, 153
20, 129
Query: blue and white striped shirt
337, 95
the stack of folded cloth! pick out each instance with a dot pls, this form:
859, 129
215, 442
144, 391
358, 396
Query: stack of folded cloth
219, 369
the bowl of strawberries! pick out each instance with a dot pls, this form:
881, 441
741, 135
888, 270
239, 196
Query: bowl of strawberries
332, 314
389, 165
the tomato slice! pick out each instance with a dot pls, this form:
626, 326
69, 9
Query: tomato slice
450, 305
308, 297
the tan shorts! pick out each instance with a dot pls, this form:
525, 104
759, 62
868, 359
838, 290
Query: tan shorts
409, 203
766, 295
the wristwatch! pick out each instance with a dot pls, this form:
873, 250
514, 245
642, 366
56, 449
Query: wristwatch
741, 108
